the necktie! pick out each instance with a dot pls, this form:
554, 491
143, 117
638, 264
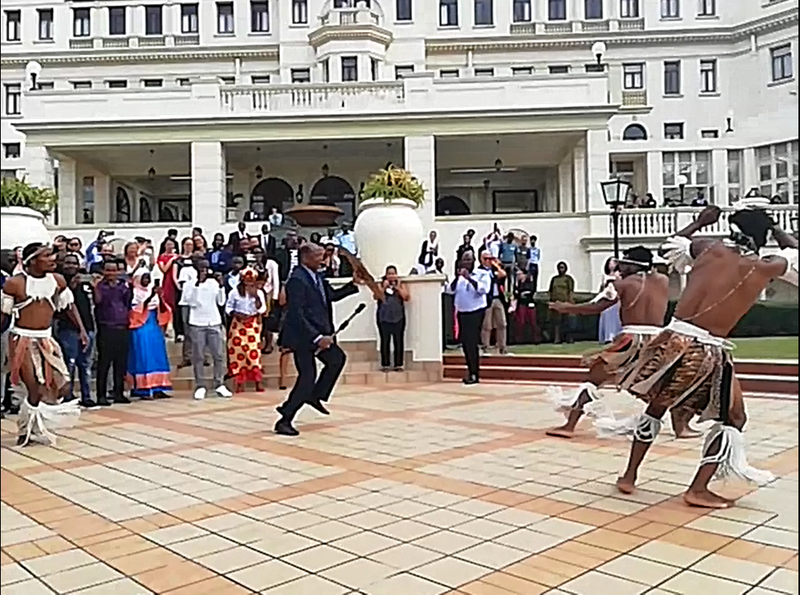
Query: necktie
321, 288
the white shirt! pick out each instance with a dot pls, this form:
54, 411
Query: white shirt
468, 298
204, 301
244, 304
273, 286
186, 277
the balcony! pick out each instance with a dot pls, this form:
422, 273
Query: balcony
634, 98
134, 41
563, 95
593, 26
360, 23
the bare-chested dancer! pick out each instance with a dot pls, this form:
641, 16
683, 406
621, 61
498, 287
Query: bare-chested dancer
688, 366
30, 298
643, 295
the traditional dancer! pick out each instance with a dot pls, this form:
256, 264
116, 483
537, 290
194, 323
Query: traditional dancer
688, 366
643, 295
30, 298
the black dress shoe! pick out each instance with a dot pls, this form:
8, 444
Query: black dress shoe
319, 407
122, 399
280, 408
104, 402
284, 428
470, 380
88, 403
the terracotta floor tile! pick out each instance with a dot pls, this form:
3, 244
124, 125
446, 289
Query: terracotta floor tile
699, 540
482, 588
741, 550
620, 542
124, 546
651, 530
590, 516
514, 584
536, 575
213, 586
101, 537
144, 561
179, 574
53, 545
772, 555
24, 551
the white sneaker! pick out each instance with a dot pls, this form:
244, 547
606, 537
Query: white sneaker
200, 394
223, 391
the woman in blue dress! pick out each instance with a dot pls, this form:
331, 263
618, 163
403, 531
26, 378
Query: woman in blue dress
148, 363
610, 324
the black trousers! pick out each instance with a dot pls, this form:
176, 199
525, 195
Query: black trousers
112, 350
309, 388
392, 333
469, 333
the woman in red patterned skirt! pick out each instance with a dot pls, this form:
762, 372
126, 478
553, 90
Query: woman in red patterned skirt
246, 305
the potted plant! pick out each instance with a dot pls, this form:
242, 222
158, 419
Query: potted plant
22, 212
388, 229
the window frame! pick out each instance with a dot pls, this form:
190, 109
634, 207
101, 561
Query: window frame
116, 84
781, 56
190, 18
12, 98
226, 21
45, 24
81, 22
299, 12
679, 132
556, 10
633, 76
670, 9
152, 83
597, 15
259, 11
7, 150
483, 72
735, 174
403, 11
448, 13
522, 70
13, 25
349, 64
773, 183
114, 13
521, 11
707, 8
300, 73
402, 70
708, 76
677, 165
483, 13
629, 9
449, 73
678, 75
153, 19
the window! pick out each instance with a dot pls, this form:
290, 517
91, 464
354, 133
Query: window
594, 67
709, 133
13, 98
116, 20
403, 10
634, 132
629, 9
326, 70
12, 150
153, 22
349, 69
301, 75
557, 10
183, 82
299, 12
735, 164
521, 70
259, 17
152, 83
228, 80
400, 72
448, 13
262, 79
13, 25
778, 171
225, 18
486, 71
781, 57
448, 73
593, 9
670, 9
118, 84
707, 8
484, 12
48, 86
708, 76
81, 22
696, 166
45, 24
521, 11
87, 196
189, 18
673, 131
633, 76
374, 69
672, 78
559, 69
81, 85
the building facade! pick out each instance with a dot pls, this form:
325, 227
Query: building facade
511, 112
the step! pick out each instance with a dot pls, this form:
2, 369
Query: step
351, 347
273, 369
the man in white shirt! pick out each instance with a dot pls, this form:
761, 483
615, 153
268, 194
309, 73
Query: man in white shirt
203, 297
186, 276
470, 290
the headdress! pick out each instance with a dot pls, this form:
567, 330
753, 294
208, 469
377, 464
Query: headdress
249, 275
32, 251
639, 256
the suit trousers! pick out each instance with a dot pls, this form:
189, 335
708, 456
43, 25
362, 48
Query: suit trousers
469, 333
112, 350
308, 387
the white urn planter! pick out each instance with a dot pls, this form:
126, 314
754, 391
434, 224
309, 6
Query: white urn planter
388, 233
20, 226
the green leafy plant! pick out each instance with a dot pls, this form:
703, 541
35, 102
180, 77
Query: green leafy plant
394, 183
18, 193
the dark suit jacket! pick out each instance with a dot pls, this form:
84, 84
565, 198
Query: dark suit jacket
269, 246
233, 241
284, 260
308, 315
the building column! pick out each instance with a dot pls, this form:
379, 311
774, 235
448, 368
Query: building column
420, 159
102, 199
208, 184
655, 181
68, 207
40, 171
565, 190
596, 170
578, 176
749, 170
719, 176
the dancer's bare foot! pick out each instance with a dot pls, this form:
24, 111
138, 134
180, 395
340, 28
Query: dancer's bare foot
562, 432
706, 499
626, 485
687, 432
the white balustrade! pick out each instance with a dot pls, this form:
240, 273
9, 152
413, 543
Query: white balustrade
631, 24
646, 222
349, 16
311, 96
558, 27
115, 42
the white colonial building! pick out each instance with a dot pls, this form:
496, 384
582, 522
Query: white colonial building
144, 114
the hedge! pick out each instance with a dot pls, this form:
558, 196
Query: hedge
765, 319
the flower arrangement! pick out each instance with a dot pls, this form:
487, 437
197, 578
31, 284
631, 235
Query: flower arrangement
393, 183
18, 193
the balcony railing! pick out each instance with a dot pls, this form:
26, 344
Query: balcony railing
349, 16
634, 98
595, 26
558, 27
312, 96
588, 26
81, 43
631, 24
189, 39
152, 41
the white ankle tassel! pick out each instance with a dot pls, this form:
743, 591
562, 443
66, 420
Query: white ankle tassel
647, 428
610, 427
565, 402
731, 457
38, 421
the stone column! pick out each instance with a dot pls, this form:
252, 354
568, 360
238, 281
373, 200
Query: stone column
578, 176
420, 160
68, 203
596, 170
565, 185
102, 199
749, 170
719, 176
40, 171
655, 182
208, 184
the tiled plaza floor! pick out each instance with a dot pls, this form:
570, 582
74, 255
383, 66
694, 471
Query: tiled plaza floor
407, 490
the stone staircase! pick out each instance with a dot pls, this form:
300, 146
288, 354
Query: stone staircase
362, 367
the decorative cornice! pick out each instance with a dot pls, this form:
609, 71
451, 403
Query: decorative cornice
129, 55
585, 39
360, 32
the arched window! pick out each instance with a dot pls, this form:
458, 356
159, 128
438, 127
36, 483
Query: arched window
634, 132
451, 205
268, 193
336, 191
123, 205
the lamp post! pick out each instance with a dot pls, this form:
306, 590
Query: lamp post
615, 195
682, 181
32, 71
598, 51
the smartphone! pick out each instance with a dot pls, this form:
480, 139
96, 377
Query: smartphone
156, 282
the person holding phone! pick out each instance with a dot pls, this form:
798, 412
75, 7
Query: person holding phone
391, 316
471, 290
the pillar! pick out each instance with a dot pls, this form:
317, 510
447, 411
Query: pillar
565, 194
420, 160
68, 207
655, 172
718, 176
578, 176
102, 199
40, 171
596, 169
208, 184
749, 170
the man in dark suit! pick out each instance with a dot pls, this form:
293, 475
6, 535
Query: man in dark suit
235, 239
267, 241
287, 256
308, 332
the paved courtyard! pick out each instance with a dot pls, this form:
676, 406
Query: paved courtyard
406, 490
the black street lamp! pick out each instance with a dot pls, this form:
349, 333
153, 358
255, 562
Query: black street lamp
615, 195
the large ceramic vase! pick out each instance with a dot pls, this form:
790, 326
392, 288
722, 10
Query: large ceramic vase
20, 226
388, 233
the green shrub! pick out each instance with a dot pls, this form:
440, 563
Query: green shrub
18, 193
